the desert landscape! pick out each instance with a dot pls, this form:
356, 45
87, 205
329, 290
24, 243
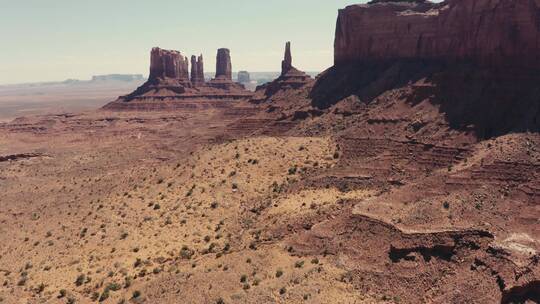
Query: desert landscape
408, 172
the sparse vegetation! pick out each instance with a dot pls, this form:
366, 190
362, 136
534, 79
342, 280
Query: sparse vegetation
136, 294
186, 253
80, 280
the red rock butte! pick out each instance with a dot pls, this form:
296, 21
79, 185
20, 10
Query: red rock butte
477, 60
170, 86
499, 33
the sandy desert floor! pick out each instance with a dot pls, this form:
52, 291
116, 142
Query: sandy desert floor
199, 207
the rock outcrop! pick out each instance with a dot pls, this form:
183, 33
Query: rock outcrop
223, 79
491, 33
477, 61
170, 87
223, 64
197, 70
286, 64
290, 78
166, 64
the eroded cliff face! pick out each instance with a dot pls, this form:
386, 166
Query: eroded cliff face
489, 32
168, 64
223, 64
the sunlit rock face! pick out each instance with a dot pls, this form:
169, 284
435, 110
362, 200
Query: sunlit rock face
488, 32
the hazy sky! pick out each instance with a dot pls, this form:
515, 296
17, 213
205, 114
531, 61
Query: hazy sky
47, 40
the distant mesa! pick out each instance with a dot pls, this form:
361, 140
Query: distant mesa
244, 77
170, 85
290, 79
118, 77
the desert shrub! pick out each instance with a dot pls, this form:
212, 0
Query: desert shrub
186, 253
40, 288
62, 293
127, 282
104, 295
114, 286
136, 294
95, 296
80, 280
292, 170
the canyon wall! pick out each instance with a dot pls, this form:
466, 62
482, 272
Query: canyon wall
495, 33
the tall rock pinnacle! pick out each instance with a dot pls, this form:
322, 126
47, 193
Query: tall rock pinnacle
194, 69
197, 70
223, 64
286, 64
200, 69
